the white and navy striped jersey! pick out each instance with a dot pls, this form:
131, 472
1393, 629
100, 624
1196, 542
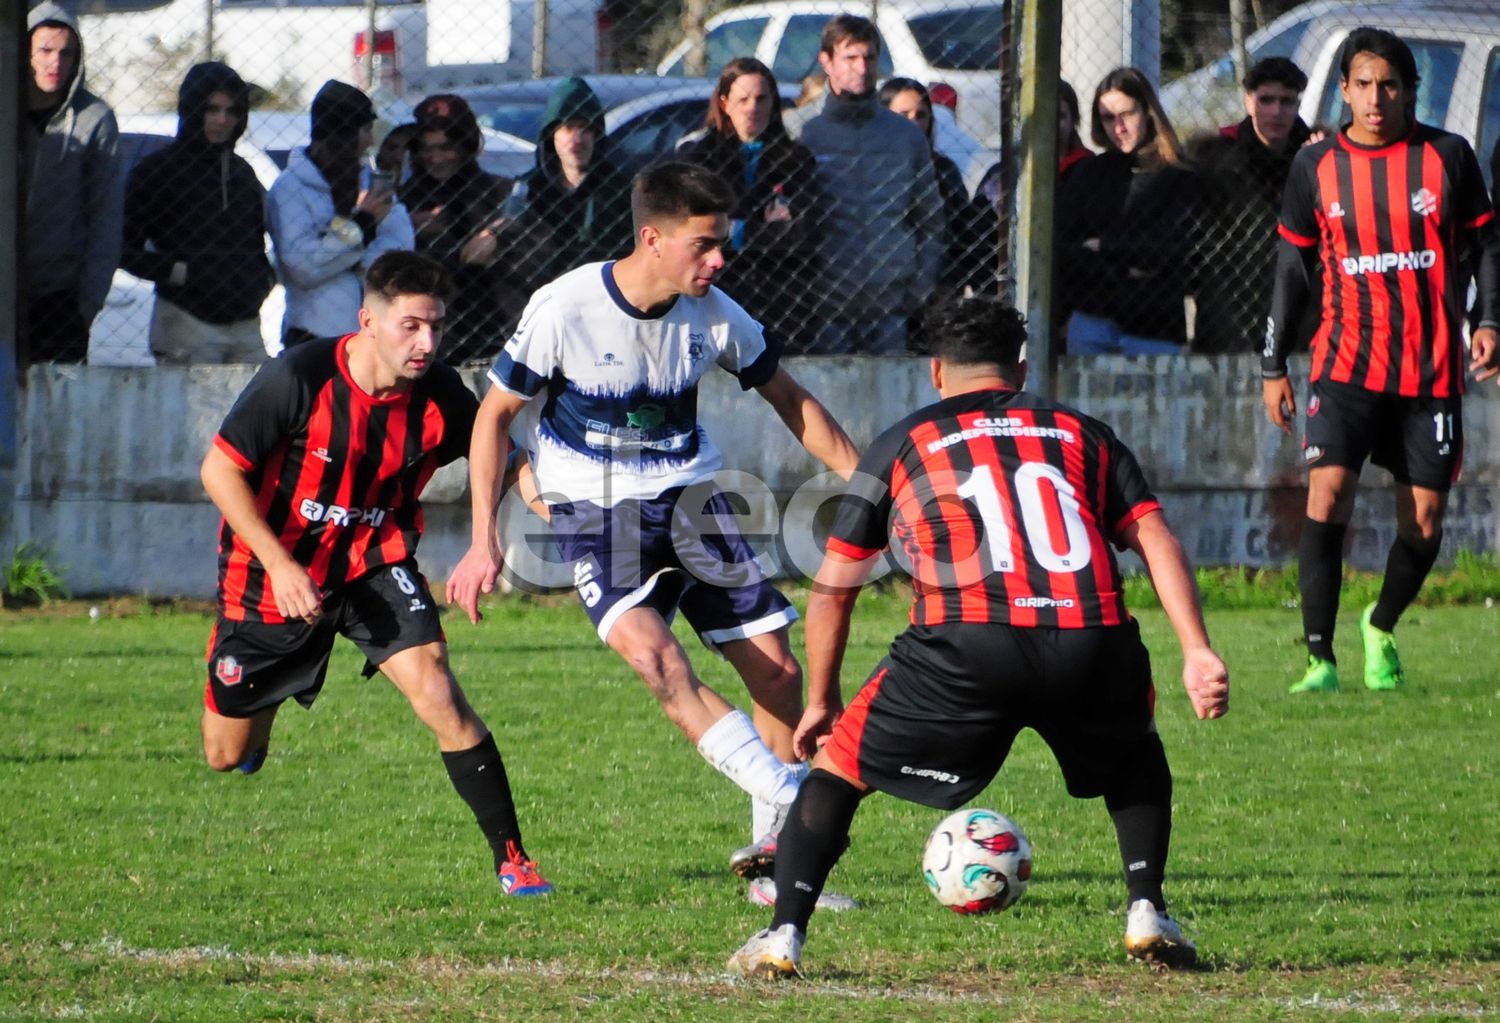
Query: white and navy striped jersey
618, 415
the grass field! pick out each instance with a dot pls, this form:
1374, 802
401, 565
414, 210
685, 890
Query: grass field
1335, 857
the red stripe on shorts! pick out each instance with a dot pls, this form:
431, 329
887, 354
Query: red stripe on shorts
843, 746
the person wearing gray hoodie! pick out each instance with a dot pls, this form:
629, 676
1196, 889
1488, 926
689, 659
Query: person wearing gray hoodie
71, 181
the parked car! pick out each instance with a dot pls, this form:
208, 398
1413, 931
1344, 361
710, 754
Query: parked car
1456, 43
938, 42
1212, 96
119, 335
138, 50
645, 116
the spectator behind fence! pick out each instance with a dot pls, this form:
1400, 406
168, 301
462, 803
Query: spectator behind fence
772, 248
572, 208
984, 211
1124, 227
70, 163
326, 229
195, 224
393, 152
449, 199
881, 234
910, 98
1243, 169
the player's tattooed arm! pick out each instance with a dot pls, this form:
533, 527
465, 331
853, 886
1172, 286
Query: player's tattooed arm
1204, 675
810, 423
296, 595
489, 444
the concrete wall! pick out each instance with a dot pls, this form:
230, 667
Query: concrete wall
107, 466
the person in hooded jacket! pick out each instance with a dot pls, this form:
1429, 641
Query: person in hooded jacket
327, 225
772, 248
71, 186
449, 198
195, 225
572, 208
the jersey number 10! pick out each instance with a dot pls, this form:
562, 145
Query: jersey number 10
1037, 535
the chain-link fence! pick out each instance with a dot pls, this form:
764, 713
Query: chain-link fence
159, 247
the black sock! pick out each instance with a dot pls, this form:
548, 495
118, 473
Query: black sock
1140, 804
1320, 564
1406, 568
479, 776
815, 835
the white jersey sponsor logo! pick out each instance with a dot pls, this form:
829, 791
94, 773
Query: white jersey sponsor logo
1384, 262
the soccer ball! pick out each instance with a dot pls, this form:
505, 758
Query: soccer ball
977, 861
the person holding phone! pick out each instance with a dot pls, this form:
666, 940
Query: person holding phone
326, 229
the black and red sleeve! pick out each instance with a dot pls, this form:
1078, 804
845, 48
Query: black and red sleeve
1127, 495
861, 525
273, 406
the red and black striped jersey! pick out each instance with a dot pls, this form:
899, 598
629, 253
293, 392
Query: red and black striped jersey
335, 471
1003, 505
1390, 224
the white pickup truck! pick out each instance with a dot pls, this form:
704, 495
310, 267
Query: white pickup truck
136, 51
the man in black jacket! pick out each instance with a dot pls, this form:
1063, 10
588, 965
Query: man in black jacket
195, 225
1243, 169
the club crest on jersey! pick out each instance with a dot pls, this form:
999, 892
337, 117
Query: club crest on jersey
1335, 210
1424, 202
695, 348
229, 671
647, 417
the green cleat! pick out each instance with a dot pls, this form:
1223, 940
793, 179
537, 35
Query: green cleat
1321, 677
1382, 663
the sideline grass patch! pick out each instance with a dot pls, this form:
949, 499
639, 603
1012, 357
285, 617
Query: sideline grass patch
1333, 856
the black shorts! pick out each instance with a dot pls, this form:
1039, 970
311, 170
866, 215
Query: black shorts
936, 720
1420, 440
256, 665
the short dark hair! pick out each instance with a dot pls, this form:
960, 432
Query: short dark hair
977, 329
401, 272
675, 190
1386, 45
848, 28
1279, 70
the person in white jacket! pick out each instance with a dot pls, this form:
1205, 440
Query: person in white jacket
327, 224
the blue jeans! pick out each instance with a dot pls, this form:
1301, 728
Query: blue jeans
1094, 335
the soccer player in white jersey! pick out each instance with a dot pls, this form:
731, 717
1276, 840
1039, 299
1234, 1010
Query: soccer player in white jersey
605, 367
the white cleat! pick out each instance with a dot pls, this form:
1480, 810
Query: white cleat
762, 892
1151, 936
770, 955
758, 859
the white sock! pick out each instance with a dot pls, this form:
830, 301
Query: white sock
734, 748
763, 814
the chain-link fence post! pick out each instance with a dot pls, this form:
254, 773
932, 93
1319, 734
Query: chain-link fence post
13, 40
1040, 45
539, 40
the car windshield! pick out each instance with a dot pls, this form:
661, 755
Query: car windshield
521, 118
962, 40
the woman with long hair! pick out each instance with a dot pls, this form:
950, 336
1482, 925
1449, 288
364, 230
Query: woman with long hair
772, 248
1125, 227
